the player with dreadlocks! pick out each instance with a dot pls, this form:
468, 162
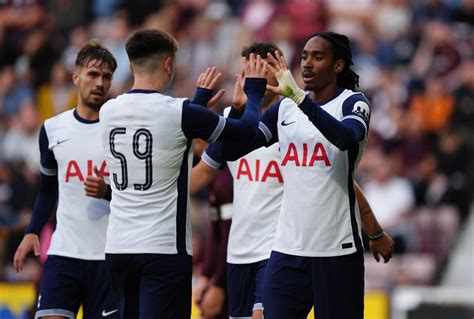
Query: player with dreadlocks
317, 256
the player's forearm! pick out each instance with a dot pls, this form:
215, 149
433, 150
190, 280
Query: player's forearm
201, 176
232, 151
202, 96
246, 127
344, 135
44, 203
369, 221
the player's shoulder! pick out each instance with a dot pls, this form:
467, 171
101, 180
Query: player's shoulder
350, 97
59, 120
356, 103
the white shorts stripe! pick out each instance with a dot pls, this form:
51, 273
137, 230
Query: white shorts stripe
55, 312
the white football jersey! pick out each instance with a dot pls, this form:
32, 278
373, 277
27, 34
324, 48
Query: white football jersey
149, 159
258, 191
319, 215
81, 220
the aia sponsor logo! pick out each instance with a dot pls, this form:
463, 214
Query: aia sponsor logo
256, 172
309, 156
73, 170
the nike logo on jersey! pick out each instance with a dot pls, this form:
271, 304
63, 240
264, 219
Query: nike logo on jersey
62, 141
283, 123
108, 313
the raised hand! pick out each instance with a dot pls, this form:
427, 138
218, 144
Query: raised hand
239, 99
383, 246
255, 67
286, 83
30, 242
95, 186
209, 80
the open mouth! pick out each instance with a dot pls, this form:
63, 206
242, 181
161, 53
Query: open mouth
308, 76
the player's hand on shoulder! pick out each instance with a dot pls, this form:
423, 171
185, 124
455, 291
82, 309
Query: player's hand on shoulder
95, 186
29, 243
255, 66
383, 246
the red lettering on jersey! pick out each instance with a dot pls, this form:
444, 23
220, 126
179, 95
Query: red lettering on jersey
257, 170
102, 169
321, 157
272, 171
244, 169
73, 170
89, 168
305, 154
291, 155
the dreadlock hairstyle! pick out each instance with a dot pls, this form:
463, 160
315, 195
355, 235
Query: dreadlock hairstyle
341, 49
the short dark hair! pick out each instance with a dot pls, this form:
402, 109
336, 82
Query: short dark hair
94, 50
144, 43
341, 49
260, 48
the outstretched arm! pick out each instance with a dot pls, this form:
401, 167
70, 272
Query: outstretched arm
198, 122
380, 242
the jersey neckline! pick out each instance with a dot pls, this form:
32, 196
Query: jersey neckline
82, 120
145, 91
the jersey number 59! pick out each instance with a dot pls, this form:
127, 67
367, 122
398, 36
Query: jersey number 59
140, 134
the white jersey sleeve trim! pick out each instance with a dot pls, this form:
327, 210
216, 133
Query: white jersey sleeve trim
209, 161
356, 118
217, 130
48, 171
265, 131
257, 306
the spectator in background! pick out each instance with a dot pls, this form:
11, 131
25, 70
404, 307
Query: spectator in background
20, 143
12, 92
117, 32
437, 55
391, 198
432, 107
57, 95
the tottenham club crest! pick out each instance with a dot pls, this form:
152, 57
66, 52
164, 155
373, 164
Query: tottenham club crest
362, 110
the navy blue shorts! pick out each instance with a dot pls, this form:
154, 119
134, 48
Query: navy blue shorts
245, 288
68, 282
151, 285
334, 285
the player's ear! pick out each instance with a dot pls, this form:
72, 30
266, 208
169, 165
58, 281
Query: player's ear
75, 76
339, 66
168, 65
131, 69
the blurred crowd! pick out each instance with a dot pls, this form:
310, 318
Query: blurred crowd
415, 59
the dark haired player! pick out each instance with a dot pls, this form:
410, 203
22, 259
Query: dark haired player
74, 272
147, 137
317, 256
